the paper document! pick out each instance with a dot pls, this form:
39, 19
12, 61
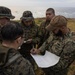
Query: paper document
47, 60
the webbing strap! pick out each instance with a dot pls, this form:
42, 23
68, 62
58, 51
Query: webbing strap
11, 60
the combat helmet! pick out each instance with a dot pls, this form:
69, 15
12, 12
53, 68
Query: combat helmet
6, 12
27, 15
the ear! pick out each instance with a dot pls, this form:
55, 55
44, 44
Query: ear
18, 40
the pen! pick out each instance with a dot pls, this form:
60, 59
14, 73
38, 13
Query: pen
36, 46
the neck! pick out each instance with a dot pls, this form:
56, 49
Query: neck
9, 44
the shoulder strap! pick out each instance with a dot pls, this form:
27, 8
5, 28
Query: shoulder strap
11, 60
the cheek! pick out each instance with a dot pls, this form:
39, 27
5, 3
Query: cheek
22, 41
51, 16
3, 22
29, 23
56, 31
63, 30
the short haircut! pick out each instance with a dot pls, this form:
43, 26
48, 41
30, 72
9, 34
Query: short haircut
51, 9
11, 31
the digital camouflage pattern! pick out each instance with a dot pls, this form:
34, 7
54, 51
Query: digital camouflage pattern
6, 12
50, 13
20, 66
45, 33
27, 15
31, 32
63, 47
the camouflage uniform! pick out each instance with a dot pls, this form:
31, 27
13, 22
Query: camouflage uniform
62, 46
30, 32
5, 13
20, 66
50, 13
45, 33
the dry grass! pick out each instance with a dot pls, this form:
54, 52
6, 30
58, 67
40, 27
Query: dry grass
71, 24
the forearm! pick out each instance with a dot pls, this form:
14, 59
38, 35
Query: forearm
43, 48
36, 40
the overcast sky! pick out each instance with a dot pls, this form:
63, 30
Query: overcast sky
36, 3
18, 6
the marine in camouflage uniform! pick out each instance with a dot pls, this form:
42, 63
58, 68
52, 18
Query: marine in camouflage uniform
50, 13
5, 16
11, 61
60, 44
20, 66
32, 34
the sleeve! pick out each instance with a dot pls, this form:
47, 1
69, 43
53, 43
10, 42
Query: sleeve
42, 28
44, 33
43, 47
66, 58
26, 67
36, 39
